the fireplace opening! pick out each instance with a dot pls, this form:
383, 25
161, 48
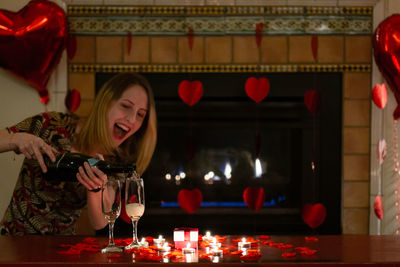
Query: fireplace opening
226, 143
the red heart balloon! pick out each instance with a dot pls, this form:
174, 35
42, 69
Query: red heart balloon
378, 207
72, 100
190, 200
386, 44
379, 95
313, 215
312, 99
257, 89
190, 92
32, 41
254, 197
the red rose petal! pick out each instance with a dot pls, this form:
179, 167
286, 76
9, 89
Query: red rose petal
264, 237
113, 256
289, 254
311, 239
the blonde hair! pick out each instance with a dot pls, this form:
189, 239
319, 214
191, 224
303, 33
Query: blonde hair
137, 148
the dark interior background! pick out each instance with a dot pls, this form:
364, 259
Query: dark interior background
223, 127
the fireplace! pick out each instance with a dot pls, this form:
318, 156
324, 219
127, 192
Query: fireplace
212, 146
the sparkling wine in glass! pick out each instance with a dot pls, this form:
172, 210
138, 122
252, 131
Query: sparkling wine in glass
134, 205
111, 207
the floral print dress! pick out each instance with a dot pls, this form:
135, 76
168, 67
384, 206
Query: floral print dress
40, 206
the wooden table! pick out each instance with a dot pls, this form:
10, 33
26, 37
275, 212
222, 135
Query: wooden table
346, 250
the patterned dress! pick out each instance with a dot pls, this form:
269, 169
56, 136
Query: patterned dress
39, 206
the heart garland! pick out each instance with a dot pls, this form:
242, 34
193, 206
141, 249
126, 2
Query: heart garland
259, 33
254, 197
190, 200
32, 41
314, 46
379, 95
190, 36
312, 100
257, 89
190, 92
73, 100
378, 207
313, 214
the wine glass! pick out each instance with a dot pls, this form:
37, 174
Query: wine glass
111, 207
134, 205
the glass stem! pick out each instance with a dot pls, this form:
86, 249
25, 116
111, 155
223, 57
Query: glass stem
134, 225
111, 234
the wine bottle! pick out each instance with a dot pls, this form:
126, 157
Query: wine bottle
66, 166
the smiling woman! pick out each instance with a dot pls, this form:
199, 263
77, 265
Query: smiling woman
121, 127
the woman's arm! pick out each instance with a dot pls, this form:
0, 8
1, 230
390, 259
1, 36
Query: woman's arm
31, 146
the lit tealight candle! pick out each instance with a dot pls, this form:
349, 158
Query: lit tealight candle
244, 244
144, 243
188, 249
207, 237
217, 252
215, 243
159, 241
165, 247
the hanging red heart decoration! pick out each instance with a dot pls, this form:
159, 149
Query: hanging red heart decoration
254, 197
71, 46
190, 200
129, 42
386, 44
190, 92
379, 95
257, 89
190, 37
314, 46
259, 33
381, 151
72, 100
313, 215
312, 99
32, 41
378, 207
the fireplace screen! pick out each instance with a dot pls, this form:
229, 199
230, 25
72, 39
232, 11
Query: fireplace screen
226, 143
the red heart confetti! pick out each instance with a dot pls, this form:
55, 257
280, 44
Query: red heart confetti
73, 100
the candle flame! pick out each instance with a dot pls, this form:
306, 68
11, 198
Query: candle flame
228, 170
258, 169
187, 245
243, 239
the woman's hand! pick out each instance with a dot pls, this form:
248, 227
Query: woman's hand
32, 147
91, 177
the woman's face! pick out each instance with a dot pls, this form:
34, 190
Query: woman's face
127, 114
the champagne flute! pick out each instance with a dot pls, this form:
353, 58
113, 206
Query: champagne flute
111, 207
134, 205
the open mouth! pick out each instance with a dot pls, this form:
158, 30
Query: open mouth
120, 130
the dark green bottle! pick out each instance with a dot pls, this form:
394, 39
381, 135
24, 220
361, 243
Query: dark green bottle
66, 166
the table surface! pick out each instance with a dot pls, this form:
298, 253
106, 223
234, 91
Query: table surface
346, 250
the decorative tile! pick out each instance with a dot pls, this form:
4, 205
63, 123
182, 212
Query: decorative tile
221, 24
108, 49
356, 140
245, 50
85, 50
196, 55
355, 194
356, 167
84, 83
218, 49
358, 49
356, 112
330, 49
355, 221
357, 85
139, 52
300, 49
274, 49
163, 49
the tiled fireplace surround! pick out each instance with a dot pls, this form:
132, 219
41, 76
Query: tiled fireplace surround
99, 50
